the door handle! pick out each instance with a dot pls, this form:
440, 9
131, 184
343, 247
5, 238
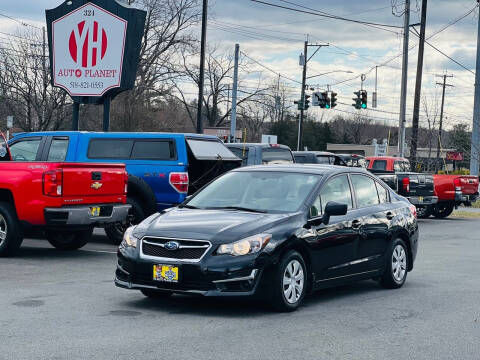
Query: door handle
356, 224
390, 215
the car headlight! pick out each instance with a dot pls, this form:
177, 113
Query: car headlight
129, 239
249, 245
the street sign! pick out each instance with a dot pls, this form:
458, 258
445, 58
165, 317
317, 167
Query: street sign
9, 122
269, 139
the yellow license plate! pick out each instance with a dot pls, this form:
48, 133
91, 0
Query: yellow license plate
166, 273
95, 211
420, 198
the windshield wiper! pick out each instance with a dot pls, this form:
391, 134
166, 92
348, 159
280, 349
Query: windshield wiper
188, 206
239, 208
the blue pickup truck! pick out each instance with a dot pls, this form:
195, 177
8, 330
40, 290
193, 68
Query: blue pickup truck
163, 168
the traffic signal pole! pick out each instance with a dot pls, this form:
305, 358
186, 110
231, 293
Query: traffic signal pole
302, 97
202, 67
403, 93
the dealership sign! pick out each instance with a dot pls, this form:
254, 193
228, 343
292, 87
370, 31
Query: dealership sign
94, 47
454, 156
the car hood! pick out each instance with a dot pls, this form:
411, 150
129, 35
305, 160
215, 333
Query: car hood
217, 226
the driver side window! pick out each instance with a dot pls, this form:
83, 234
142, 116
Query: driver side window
25, 150
338, 190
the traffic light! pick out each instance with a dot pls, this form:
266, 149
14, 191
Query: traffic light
306, 105
358, 100
333, 100
326, 100
364, 99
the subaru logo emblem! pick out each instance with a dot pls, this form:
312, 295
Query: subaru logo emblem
172, 245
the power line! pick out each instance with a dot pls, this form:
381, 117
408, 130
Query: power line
269, 69
20, 22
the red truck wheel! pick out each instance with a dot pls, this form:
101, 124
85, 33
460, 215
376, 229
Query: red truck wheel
10, 231
68, 240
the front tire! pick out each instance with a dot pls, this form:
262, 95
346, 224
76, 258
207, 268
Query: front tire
395, 273
136, 214
10, 231
68, 240
289, 282
441, 211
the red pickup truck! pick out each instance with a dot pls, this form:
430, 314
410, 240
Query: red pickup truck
452, 191
66, 200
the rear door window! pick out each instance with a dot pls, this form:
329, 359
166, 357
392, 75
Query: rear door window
379, 165
210, 150
110, 148
154, 150
401, 166
58, 149
382, 194
25, 149
276, 156
365, 191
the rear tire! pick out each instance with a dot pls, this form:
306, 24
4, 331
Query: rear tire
136, 214
68, 240
441, 211
395, 273
156, 294
11, 236
289, 283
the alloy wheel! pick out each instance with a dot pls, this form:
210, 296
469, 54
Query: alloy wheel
3, 229
399, 263
293, 281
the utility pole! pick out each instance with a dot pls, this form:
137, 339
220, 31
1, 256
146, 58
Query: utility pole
403, 93
474, 153
444, 84
44, 68
304, 80
302, 97
233, 116
418, 88
202, 67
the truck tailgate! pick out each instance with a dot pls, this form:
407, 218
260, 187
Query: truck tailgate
469, 184
421, 185
93, 179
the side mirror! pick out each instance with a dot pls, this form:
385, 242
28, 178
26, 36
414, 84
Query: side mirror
333, 209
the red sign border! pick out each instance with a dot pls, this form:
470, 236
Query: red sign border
53, 48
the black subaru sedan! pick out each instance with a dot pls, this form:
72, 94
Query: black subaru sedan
278, 232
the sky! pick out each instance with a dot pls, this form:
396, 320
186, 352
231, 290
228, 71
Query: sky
275, 37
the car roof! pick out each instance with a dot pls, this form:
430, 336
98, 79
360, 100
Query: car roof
262, 145
316, 153
386, 158
305, 169
118, 134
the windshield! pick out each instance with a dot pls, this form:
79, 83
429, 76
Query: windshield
257, 190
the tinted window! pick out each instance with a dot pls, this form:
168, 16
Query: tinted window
276, 155
365, 191
300, 159
209, 150
259, 190
58, 150
379, 165
338, 190
154, 149
25, 150
382, 194
321, 159
110, 148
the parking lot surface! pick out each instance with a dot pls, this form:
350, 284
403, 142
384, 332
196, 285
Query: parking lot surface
64, 305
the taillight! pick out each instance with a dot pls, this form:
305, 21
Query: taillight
458, 184
53, 182
126, 183
406, 184
413, 210
179, 181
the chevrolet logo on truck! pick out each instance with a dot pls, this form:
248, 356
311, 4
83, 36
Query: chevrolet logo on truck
96, 185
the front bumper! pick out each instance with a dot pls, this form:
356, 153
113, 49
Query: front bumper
234, 278
423, 200
80, 215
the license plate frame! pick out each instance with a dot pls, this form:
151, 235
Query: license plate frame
94, 211
420, 199
167, 273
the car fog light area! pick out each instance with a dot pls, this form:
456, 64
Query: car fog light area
249, 245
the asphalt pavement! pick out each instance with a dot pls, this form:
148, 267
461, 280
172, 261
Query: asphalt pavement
64, 305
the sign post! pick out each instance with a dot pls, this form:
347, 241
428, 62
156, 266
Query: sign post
94, 51
9, 125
